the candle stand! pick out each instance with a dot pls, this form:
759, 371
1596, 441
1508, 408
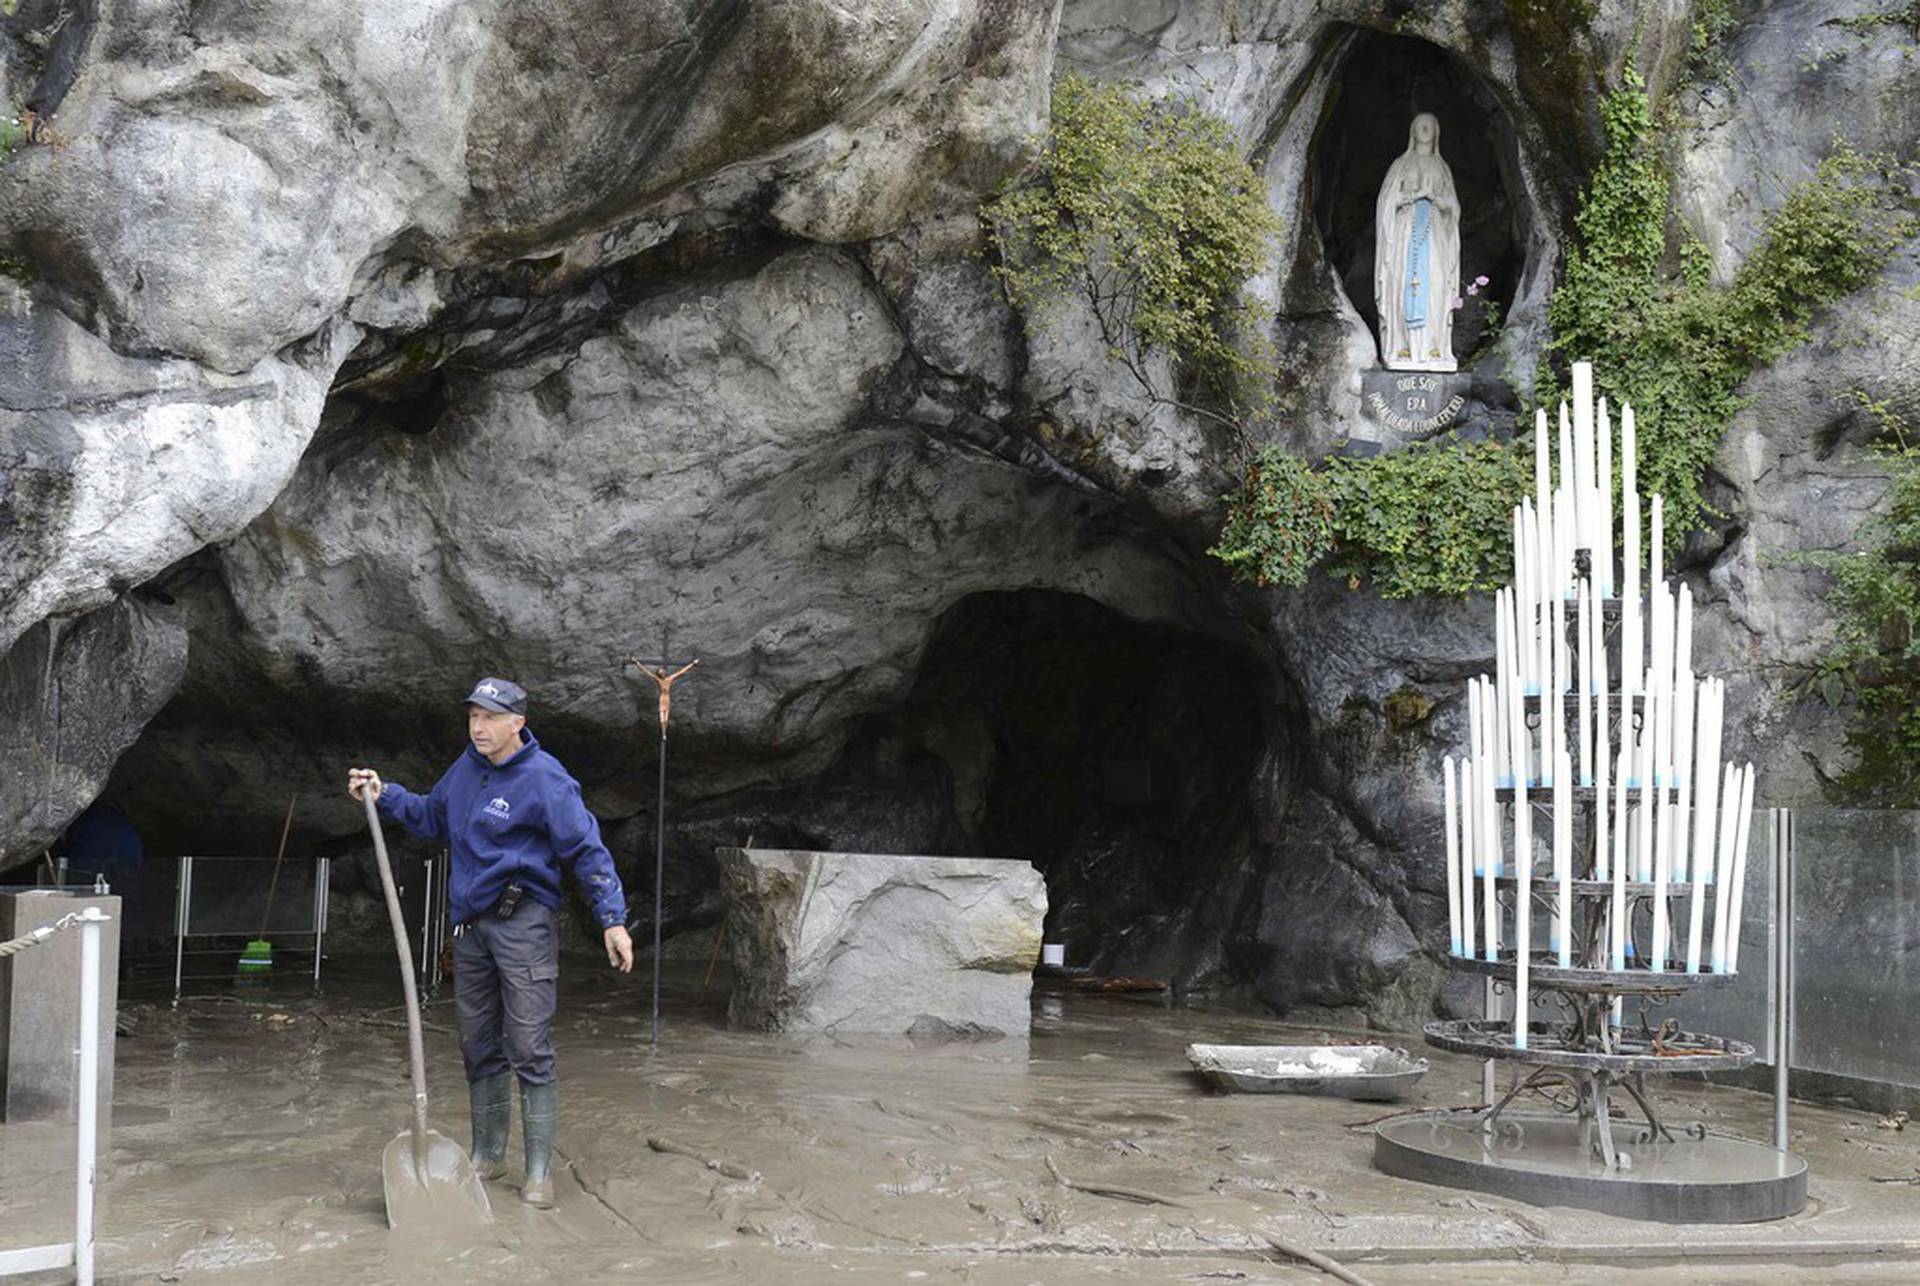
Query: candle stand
1606, 1039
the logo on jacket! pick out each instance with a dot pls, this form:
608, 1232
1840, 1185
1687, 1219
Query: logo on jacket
499, 808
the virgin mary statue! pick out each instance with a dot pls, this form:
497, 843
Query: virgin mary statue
1416, 255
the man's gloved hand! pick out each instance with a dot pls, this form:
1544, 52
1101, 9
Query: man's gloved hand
619, 948
359, 779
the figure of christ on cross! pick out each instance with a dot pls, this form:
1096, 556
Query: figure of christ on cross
663, 681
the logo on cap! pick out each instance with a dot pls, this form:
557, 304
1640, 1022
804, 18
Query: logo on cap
487, 690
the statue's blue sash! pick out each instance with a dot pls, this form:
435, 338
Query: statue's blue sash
1419, 265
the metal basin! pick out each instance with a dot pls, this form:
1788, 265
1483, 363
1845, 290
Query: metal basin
1372, 1072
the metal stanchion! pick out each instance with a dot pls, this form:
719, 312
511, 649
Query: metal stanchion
1490, 1010
84, 1162
322, 882
78, 1253
1781, 839
182, 909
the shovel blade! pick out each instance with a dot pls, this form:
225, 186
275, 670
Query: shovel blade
447, 1195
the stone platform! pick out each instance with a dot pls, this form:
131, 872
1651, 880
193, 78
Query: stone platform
929, 947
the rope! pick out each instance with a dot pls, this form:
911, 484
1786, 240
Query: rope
15, 946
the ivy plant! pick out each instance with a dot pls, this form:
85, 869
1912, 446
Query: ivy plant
1149, 214
1661, 335
1873, 661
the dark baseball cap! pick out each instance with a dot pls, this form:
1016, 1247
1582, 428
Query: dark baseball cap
498, 694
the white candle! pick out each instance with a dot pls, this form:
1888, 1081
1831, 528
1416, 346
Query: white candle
1723, 891
1684, 698
1469, 867
1583, 688
1604, 500
1567, 485
1618, 920
1631, 653
1656, 547
1489, 831
1643, 824
1527, 594
1706, 755
1518, 587
1743, 820
1553, 706
1542, 483
1503, 682
1659, 682
1563, 862
1683, 636
1602, 750
1523, 910
1662, 871
1448, 788
1584, 455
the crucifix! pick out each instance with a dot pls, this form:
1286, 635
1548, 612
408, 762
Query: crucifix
664, 676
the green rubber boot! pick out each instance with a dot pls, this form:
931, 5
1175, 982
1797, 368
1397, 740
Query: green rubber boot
539, 1105
491, 1101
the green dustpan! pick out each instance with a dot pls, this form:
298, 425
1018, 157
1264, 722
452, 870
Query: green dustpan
258, 957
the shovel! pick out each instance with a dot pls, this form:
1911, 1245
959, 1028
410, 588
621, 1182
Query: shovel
430, 1180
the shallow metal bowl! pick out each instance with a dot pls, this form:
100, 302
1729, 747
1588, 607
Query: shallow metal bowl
1372, 1072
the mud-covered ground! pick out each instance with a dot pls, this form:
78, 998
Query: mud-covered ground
247, 1138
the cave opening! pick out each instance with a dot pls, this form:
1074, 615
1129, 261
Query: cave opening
1114, 755
1383, 81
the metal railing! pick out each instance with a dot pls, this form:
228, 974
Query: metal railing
193, 919
78, 1253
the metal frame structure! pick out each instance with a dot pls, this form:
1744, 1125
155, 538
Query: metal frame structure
1609, 1033
78, 1253
434, 915
183, 915
1782, 833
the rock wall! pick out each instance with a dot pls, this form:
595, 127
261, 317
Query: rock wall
396, 344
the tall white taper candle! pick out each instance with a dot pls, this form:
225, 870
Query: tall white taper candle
1522, 910
1563, 862
1723, 893
1603, 428
1488, 829
1743, 821
1617, 921
1583, 686
1685, 697
1632, 656
1705, 776
1643, 824
1449, 795
1566, 493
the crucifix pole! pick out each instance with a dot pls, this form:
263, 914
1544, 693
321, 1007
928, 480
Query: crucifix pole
663, 678
659, 871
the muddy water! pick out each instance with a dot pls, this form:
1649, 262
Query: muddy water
248, 1135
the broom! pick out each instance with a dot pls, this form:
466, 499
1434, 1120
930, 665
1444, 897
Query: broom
258, 956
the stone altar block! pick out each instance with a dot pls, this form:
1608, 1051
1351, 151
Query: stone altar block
938, 947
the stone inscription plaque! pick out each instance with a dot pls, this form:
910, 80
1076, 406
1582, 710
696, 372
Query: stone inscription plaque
1415, 404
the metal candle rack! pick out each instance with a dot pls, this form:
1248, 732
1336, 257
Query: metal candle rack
1635, 855
1588, 1051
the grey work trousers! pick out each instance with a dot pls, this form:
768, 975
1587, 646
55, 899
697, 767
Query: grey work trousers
506, 980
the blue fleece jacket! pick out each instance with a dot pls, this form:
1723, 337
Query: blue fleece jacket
521, 820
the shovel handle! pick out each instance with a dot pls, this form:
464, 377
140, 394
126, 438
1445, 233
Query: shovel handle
415, 1048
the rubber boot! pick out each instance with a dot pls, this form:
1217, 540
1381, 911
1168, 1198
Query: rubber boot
491, 1101
539, 1105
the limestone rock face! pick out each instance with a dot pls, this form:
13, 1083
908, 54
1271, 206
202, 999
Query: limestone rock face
81, 692
114, 467
401, 343
858, 942
708, 464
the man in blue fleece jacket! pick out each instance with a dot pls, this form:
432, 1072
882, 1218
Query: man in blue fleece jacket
514, 818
